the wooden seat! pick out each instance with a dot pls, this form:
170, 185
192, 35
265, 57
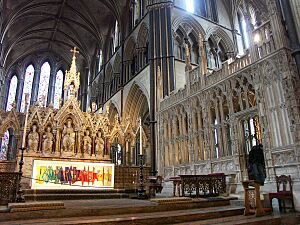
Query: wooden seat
155, 185
284, 192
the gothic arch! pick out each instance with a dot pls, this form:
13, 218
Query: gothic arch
11, 121
189, 24
129, 49
117, 64
108, 73
136, 103
142, 36
219, 35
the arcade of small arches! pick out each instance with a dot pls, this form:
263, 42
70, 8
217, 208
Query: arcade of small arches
203, 127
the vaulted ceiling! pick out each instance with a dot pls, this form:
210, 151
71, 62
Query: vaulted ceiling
57, 26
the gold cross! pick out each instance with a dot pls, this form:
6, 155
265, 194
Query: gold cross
74, 51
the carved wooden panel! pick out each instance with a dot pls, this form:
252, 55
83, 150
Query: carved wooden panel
8, 187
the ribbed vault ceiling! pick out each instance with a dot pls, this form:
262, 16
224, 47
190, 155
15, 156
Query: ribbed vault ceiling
57, 26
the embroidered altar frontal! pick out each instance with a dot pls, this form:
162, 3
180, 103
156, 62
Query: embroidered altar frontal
48, 174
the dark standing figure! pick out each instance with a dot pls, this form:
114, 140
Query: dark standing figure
256, 164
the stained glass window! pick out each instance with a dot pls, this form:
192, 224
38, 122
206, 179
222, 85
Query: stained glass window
28, 80
4, 146
12, 92
58, 88
44, 84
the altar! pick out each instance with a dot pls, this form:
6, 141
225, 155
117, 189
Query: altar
67, 148
72, 175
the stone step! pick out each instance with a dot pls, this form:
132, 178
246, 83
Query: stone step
112, 207
34, 206
169, 217
272, 219
239, 220
73, 196
71, 191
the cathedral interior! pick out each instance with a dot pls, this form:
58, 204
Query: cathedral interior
139, 108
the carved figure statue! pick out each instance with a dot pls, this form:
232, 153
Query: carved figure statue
47, 140
188, 65
71, 90
99, 144
33, 139
68, 137
87, 142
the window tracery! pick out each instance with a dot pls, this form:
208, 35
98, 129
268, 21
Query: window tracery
12, 92
44, 83
28, 81
58, 88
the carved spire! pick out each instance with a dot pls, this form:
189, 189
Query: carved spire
72, 79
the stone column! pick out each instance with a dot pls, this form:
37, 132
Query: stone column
175, 136
194, 135
19, 93
84, 88
35, 86
161, 54
51, 89
171, 147
277, 27
223, 129
292, 29
4, 93
200, 137
129, 66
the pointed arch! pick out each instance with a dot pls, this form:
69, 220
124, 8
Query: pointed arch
129, 49
136, 104
219, 35
117, 64
12, 92
108, 73
142, 36
44, 83
59, 79
28, 81
189, 24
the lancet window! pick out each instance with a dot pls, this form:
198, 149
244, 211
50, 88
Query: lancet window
28, 81
12, 92
44, 83
203, 8
189, 4
58, 89
116, 36
99, 60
